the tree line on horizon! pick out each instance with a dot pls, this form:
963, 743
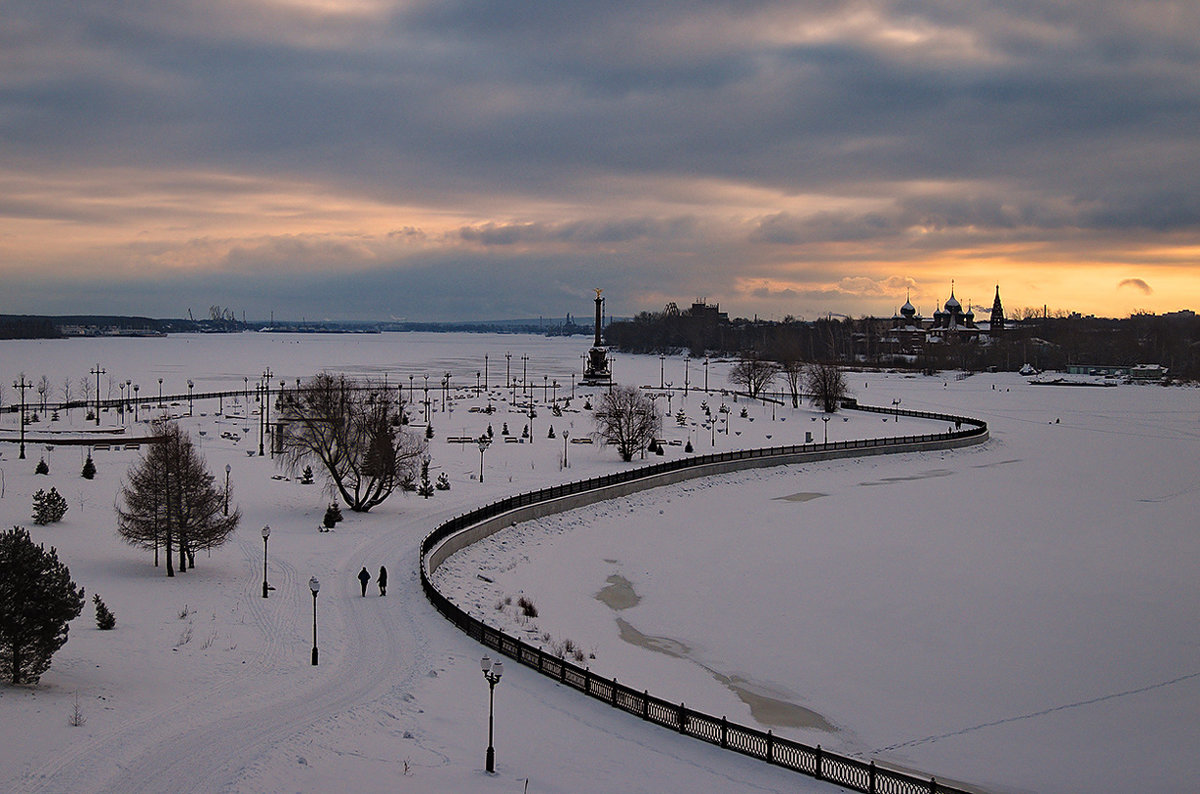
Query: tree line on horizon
1045, 342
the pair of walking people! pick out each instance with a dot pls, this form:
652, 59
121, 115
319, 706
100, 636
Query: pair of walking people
364, 577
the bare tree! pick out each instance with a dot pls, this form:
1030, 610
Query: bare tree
66, 393
753, 373
791, 365
627, 418
354, 431
171, 500
43, 390
85, 385
826, 386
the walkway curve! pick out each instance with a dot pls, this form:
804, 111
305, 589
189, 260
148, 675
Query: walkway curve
470, 528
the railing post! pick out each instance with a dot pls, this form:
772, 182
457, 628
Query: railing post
770, 747
682, 718
933, 785
645, 704
724, 731
871, 778
817, 773
613, 698
587, 681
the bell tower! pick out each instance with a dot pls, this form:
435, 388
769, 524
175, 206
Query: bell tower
997, 325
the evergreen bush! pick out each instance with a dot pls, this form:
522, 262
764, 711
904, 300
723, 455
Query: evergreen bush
105, 620
42, 468
89, 468
48, 508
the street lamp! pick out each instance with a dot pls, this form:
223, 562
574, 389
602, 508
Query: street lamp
566, 433
228, 468
706, 374
896, 409
524, 375
136, 405
662, 365
485, 373
122, 387
160, 402
315, 586
22, 384
492, 672
190, 385
128, 392
266, 533
826, 419
97, 372
545, 387
484, 442
445, 388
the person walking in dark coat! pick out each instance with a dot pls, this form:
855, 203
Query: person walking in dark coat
364, 577
382, 581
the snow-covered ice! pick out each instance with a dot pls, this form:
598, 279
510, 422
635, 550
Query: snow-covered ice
1019, 616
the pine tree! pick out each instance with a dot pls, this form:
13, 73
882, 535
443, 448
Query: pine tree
425, 489
443, 482
37, 602
105, 620
89, 468
41, 468
170, 500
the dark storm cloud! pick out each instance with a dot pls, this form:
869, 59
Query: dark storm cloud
971, 122
1136, 284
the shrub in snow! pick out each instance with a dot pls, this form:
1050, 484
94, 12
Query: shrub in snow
428, 432
42, 468
307, 477
89, 468
105, 619
443, 482
504, 429
551, 433
48, 508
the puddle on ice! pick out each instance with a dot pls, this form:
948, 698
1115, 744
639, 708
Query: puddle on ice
925, 475
764, 706
803, 496
618, 594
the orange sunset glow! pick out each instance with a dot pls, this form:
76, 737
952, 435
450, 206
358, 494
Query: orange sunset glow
358, 160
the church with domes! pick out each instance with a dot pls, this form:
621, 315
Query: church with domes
950, 324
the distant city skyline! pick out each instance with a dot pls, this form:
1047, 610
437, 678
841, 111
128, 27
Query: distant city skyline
433, 161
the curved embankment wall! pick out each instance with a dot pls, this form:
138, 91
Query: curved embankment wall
464, 530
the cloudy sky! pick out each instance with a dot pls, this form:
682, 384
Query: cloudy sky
437, 160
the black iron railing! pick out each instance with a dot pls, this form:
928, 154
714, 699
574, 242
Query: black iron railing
810, 760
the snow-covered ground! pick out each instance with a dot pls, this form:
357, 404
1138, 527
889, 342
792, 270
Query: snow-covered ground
1019, 616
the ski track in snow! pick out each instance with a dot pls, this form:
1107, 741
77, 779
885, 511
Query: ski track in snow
195, 744
1035, 714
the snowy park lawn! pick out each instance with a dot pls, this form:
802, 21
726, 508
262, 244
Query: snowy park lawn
1020, 616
